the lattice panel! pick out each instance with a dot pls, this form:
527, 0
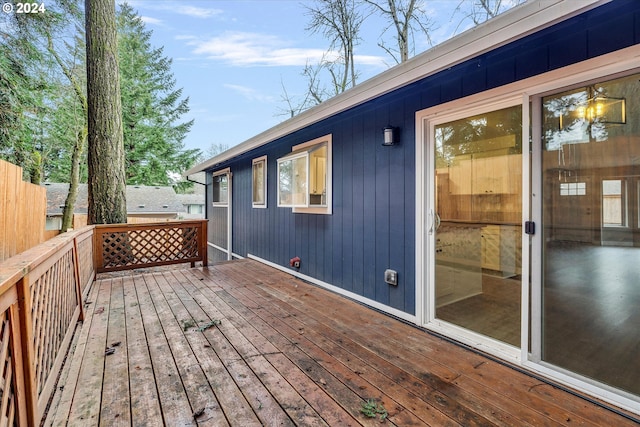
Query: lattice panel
53, 303
149, 246
8, 402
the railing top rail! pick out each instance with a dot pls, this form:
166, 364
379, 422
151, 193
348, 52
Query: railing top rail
18, 266
150, 225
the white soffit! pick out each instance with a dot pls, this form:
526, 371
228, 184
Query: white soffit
513, 24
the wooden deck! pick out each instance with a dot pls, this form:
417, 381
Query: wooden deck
243, 344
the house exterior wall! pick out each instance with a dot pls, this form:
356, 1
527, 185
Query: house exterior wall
372, 227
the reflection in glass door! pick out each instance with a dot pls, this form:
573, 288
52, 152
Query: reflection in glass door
477, 223
590, 240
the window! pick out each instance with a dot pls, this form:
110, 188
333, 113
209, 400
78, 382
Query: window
613, 203
221, 188
53, 223
573, 188
259, 180
195, 209
304, 177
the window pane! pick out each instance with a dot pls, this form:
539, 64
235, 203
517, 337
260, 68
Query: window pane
318, 176
292, 181
259, 182
478, 200
220, 189
612, 202
590, 293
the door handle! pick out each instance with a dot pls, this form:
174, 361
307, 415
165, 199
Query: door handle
430, 221
437, 221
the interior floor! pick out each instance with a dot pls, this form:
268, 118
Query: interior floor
591, 312
494, 313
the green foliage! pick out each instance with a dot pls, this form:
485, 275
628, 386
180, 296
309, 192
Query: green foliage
40, 53
20, 100
152, 107
372, 409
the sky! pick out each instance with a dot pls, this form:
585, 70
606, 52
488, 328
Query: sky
234, 59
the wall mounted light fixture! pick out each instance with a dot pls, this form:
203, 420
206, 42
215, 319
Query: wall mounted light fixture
389, 135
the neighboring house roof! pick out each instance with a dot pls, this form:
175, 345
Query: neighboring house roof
141, 199
507, 27
191, 199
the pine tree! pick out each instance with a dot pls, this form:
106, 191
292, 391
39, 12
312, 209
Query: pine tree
152, 107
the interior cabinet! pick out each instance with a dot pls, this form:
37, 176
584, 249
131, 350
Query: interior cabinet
486, 175
500, 249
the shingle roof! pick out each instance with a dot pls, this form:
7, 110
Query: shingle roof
140, 199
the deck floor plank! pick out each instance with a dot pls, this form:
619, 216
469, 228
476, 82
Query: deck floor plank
201, 397
115, 408
228, 394
235, 350
290, 401
284, 353
176, 410
145, 402
90, 380
251, 326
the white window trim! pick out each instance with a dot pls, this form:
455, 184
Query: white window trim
323, 210
262, 159
226, 171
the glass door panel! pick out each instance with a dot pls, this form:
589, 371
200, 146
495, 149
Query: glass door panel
590, 286
477, 231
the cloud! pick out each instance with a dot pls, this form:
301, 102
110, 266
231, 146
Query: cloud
150, 20
177, 7
196, 12
249, 93
247, 49
254, 49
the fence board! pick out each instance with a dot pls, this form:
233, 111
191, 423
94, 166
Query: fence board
23, 212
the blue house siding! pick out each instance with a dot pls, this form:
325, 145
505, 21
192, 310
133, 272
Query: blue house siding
366, 233
372, 227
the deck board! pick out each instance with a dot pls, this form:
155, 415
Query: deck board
243, 344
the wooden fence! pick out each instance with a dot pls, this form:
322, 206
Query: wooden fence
23, 212
41, 300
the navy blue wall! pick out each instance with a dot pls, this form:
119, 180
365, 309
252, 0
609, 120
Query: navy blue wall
373, 223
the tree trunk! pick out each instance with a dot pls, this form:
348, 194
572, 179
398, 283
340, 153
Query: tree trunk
74, 182
107, 199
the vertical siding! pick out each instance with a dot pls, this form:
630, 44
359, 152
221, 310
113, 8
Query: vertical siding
372, 227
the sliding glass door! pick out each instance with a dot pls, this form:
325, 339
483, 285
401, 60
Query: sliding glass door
476, 222
591, 237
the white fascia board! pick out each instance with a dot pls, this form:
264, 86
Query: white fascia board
513, 24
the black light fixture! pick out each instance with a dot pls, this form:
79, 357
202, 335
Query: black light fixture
389, 135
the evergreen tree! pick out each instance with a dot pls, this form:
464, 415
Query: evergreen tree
22, 88
152, 107
107, 198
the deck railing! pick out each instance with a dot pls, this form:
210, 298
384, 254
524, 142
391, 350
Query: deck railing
127, 246
41, 301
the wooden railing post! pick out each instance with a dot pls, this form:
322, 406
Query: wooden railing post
78, 279
28, 356
24, 416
